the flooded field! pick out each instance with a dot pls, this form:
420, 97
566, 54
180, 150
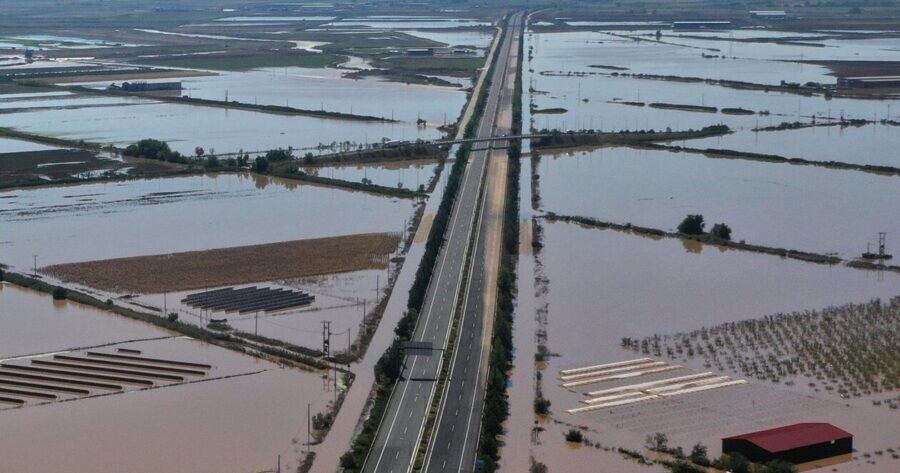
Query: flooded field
405, 174
32, 323
870, 144
647, 284
406, 22
325, 89
805, 208
238, 395
145, 217
472, 38
8, 145
589, 100
185, 127
677, 58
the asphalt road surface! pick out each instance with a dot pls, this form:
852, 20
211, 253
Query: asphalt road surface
401, 429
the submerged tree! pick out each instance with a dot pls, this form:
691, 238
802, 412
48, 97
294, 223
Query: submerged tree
692, 225
722, 231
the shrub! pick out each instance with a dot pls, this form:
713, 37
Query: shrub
692, 225
734, 463
658, 442
778, 466
172, 317
574, 435
60, 293
699, 455
682, 466
722, 231
541, 406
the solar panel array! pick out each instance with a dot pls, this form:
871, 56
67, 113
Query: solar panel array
72, 375
248, 299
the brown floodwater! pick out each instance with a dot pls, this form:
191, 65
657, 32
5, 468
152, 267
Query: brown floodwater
598, 286
804, 208
245, 414
32, 322
158, 216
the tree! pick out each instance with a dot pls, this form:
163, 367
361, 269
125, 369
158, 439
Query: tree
172, 317
721, 231
658, 442
261, 164
199, 151
309, 159
692, 225
275, 155
699, 455
153, 149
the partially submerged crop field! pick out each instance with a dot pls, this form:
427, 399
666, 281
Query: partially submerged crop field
199, 269
770, 325
274, 169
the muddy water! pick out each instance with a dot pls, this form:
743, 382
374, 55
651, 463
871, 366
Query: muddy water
798, 207
478, 39
871, 144
342, 299
605, 285
8, 145
601, 280
100, 221
586, 99
679, 59
410, 22
70, 101
236, 424
867, 49
32, 322
325, 89
185, 127
406, 174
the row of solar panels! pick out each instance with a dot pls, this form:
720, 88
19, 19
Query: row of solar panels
248, 299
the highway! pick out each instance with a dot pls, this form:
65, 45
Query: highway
403, 425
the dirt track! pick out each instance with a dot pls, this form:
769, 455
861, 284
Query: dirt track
226, 266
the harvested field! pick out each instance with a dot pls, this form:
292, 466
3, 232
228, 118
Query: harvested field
229, 266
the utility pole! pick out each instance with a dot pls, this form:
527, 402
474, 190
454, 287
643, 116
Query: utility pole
308, 428
34, 268
326, 338
256, 323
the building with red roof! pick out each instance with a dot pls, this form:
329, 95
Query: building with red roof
797, 443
